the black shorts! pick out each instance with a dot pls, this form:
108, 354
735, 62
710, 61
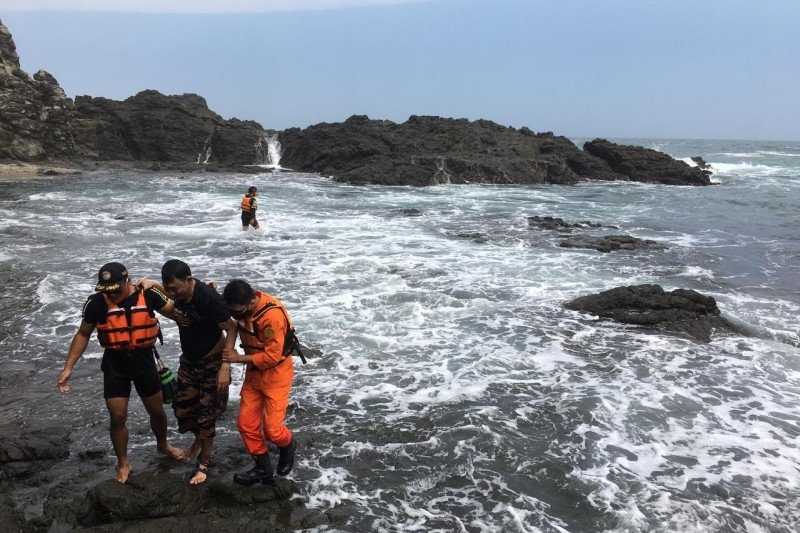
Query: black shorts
249, 219
120, 368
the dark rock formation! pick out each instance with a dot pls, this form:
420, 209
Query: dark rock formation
646, 165
701, 163
433, 150
151, 126
559, 224
34, 112
35, 445
162, 501
38, 122
680, 311
611, 243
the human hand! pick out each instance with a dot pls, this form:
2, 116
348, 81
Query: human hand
181, 319
63, 380
232, 356
146, 283
223, 378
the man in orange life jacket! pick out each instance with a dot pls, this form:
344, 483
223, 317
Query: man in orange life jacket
264, 328
249, 206
127, 328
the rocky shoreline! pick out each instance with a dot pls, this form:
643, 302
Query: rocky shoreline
39, 124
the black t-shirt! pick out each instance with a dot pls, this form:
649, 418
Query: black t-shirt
206, 310
95, 309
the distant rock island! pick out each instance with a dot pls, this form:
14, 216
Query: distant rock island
150, 130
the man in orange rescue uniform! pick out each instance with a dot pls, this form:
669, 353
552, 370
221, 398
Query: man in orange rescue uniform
127, 328
268, 340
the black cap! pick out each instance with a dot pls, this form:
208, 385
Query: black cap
111, 277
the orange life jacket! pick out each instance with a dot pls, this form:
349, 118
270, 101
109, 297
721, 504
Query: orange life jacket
128, 329
251, 331
247, 203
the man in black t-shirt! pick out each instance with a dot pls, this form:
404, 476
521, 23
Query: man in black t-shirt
124, 317
206, 331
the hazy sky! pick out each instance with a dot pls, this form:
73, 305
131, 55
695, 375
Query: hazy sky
616, 68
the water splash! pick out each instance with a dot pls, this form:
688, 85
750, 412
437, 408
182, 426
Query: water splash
269, 152
442, 175
205, 154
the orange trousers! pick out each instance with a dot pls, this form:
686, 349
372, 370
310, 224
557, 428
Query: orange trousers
262, 411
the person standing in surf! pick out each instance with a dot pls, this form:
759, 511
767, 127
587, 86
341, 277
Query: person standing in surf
268, 340
203, 378
249, 207
127, 329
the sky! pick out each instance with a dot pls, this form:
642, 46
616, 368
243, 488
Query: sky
583, 68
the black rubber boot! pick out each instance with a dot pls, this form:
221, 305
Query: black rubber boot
286, 459
260, 473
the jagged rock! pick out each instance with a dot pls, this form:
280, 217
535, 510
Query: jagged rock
701, 163
610, 243
559, 224
432, 150
646, 165
35, 114
151, 126
38, 122
681, 310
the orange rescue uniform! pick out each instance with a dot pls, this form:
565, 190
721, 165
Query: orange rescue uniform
268, 380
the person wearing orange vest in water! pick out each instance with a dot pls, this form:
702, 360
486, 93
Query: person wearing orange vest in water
249, 206
127, 328
267, 337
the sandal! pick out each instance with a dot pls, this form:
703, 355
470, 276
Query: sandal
201, 474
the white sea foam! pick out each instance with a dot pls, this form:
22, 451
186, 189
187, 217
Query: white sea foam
745, 168
452, 383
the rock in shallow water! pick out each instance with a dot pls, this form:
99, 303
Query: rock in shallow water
611, 243
681, 311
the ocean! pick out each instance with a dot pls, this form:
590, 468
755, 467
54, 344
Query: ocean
453, 391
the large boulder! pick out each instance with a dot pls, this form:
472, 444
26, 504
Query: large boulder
646, 165
680, 311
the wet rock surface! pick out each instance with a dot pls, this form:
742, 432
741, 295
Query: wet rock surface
559, 224
429, 150
646, 165
680, 311
611, 243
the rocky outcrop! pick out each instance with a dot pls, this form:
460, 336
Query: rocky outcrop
432, 150
559, 224
646, 165
151, 126
35, 113
158, 501
681, 311
38, 122
610, 243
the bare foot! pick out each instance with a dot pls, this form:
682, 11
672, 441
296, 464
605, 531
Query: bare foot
199, 476
123, 471
173, 453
